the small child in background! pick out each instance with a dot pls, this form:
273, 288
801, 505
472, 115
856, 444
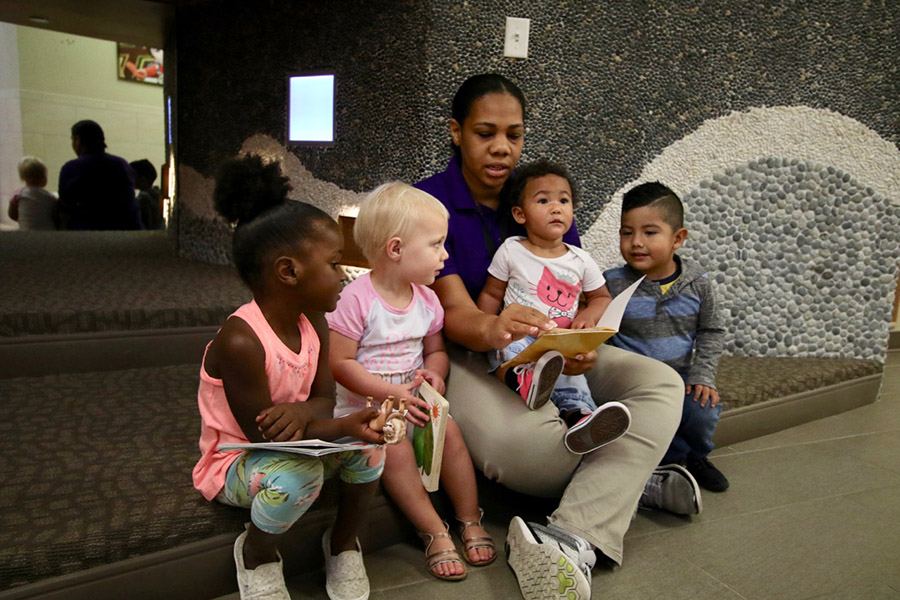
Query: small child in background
148, 194
543, 272
33, 206
673, 317
265, 377
385, 341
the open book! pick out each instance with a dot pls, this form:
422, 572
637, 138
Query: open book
307, 447
428, 440
572, 342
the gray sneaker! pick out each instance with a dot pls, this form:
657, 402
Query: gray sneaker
549, 562
674, 489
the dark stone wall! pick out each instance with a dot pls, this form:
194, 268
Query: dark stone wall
613, 83
610, 85
235, 58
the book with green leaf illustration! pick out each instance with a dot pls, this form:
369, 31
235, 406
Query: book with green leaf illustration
572, 342
428, 440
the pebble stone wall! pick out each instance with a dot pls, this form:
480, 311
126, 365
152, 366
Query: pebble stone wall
804, 255
804, 252
611, 86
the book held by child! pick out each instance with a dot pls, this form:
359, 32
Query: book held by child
428, 441
572, 342
307, 447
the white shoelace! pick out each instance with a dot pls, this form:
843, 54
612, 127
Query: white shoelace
520, 370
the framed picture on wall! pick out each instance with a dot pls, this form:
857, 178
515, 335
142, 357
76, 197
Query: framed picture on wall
140, 63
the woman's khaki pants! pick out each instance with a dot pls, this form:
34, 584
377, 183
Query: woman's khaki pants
524, 449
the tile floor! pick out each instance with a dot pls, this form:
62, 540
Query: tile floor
813, 512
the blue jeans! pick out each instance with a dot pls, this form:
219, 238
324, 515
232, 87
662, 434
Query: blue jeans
571, 392
694, 434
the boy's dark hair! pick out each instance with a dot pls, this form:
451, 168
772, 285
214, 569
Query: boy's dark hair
90, 135
511, 195
253, 196
658, 196
474, 88
144, 168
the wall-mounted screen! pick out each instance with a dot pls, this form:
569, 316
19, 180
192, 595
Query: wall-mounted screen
311, 109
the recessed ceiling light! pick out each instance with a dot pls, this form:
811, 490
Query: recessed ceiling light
39, 19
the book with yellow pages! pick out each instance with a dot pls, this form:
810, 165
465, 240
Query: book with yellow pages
572, 342
428, 440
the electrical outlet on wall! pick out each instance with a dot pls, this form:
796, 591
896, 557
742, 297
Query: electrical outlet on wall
516, 40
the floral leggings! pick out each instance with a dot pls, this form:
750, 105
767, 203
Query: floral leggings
279, 487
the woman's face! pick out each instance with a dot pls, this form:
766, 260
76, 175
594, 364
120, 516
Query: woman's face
490, 143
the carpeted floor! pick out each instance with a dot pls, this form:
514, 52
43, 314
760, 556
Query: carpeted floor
97, 468
89, 281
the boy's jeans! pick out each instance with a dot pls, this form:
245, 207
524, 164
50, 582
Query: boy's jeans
571, 392
694, 435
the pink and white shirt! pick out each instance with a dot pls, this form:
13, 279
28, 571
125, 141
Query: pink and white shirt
390, 340
550, 285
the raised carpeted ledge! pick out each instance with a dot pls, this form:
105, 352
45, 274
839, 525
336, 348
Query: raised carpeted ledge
749, 380
66, 282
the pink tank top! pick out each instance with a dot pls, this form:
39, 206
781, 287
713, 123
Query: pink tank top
290, 377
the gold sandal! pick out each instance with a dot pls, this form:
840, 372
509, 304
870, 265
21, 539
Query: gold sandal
450, 555
473, 543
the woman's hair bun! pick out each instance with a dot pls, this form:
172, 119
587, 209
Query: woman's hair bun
247, 187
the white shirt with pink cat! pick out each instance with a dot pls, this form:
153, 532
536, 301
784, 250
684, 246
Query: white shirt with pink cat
390, 341
550, 285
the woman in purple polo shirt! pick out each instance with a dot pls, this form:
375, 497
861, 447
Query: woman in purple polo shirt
524, 449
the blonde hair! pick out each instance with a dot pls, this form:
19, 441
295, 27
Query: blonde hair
32, 169
392, 209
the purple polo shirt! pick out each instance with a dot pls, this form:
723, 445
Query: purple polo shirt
96, 191
470, 255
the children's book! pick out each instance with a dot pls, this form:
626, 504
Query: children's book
572, 342
428, 440
307, 447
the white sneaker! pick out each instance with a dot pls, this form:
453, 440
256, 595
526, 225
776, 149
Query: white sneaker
674, 489
265, 582
549, 562
606, 424
345, 574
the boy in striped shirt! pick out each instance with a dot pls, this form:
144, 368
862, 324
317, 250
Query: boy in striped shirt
672, 317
